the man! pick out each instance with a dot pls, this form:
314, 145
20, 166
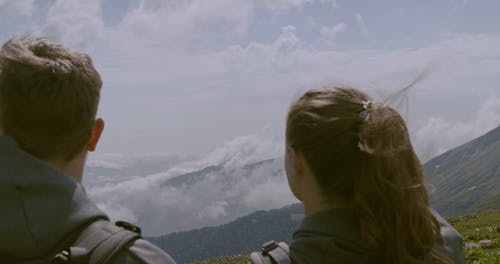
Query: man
48, 103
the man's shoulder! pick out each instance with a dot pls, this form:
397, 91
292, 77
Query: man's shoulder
141, 252
118, 242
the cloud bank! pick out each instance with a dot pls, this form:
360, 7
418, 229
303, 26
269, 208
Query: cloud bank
243, 176
12, 9
182, 77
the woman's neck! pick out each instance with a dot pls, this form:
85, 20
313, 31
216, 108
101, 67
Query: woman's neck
315, 201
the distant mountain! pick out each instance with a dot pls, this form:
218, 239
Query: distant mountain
241, 236
467, 178
224, 176
99, 172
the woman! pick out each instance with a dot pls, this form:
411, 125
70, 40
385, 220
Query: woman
350, 161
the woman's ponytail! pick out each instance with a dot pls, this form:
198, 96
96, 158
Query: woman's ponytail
359, 149
390, 197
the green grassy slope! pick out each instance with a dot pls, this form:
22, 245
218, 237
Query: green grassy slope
467, 178
489, 204
225, 260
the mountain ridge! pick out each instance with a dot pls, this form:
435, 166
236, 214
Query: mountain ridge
240, 236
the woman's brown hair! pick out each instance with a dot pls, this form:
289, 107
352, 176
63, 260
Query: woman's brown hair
360, 150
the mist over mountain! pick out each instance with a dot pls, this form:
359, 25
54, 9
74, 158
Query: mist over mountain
109, 169
243, 176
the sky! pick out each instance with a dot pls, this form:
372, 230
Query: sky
186, 77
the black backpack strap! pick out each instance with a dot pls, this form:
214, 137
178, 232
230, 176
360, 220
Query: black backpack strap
272, 253
98, 243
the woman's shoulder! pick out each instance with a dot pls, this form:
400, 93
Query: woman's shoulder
453, 242
335, 235
329, 237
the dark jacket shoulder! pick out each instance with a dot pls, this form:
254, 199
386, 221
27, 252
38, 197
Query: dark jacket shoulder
329, 237
335, 237
453, 242
44, 211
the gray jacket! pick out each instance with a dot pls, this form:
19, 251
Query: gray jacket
41, 207
334, 237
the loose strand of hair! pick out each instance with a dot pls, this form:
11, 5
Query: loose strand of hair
420, 77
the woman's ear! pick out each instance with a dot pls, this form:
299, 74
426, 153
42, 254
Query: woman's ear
294, 171
96, 134
296, 160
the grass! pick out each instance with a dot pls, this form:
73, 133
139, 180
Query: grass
225, 260
474, 228
477, 227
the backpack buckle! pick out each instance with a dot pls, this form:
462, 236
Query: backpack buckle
269, 246
62, 257
71, 254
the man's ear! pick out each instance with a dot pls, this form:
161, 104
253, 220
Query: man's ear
96, 134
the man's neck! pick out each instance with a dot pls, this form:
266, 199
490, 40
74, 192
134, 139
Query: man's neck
73, 168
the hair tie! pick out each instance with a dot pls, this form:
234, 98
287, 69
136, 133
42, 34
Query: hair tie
365, 116
367, 106
53, 66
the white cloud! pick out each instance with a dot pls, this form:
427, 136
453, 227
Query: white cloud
170, 45
281, 5
269, 194
121, 211
264, 58
174, 68
215, 210
330, 33
245, 150
282, 67
360, 22
10, 10
437, 135
104, 164
78, 24
333, 3
183, 24
460, 4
